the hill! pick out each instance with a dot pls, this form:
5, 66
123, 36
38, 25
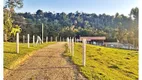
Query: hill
114, 27
106, 63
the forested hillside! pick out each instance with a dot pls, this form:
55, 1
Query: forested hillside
114, 27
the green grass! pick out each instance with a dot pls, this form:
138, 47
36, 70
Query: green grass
10, 55
106, 63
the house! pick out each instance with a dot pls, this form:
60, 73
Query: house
94, 40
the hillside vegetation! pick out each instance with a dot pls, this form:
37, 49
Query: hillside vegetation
118, 27
106, 63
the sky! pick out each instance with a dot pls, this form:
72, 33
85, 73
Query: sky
110, 7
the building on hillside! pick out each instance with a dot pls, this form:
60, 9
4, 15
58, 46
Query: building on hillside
94, 40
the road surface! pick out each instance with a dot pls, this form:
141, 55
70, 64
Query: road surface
46, 64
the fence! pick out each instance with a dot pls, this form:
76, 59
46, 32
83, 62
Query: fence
70, 43
36, 40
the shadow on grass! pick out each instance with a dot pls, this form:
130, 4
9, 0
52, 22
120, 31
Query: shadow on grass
10, 52
76, 67
113, 66
7, 68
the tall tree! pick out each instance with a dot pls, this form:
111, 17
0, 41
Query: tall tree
8, 13
7, 24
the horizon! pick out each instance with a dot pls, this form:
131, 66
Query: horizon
109, 7
53, 12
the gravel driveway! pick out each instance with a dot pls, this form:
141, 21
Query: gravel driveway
45, 64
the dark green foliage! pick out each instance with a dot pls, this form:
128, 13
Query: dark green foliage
118, 27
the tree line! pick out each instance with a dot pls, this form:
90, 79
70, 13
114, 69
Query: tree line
116, 27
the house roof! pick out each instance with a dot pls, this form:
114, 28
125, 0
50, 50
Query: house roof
93, 38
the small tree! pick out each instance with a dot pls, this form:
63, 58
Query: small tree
8, 21
7, 24
15, 30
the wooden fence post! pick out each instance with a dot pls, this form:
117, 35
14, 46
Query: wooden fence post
23, 38
72, 47
28, 40
84, 52
17, 43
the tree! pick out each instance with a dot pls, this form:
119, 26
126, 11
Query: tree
8, 13
14, 4
135, 13
84, 24
119, 32
15, 30
7, 24
39, 12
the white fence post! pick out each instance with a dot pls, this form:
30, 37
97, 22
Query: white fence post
42, 32
38, 40
84, 52
76, 40
46, 39
23, 38
17, 43
70, 44
28, 40
33, 40
72, 47
5, 37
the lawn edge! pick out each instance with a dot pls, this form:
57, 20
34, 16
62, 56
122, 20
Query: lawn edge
69, 58
17, 63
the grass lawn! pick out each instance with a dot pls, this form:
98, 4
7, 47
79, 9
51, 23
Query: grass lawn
10, 55
106, 63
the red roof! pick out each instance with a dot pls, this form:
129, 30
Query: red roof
93, 38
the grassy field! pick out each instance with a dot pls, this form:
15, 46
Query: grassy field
10, 55
106, 63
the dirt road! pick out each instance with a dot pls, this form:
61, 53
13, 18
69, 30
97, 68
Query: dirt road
45, 64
